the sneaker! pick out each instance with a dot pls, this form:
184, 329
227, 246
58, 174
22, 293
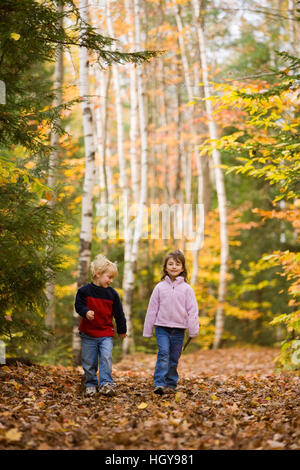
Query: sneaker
90, 391
107, 389
159, 390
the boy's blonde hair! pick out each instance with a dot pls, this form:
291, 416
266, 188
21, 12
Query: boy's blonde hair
102, 264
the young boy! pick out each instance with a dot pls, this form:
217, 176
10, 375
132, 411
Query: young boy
98, 303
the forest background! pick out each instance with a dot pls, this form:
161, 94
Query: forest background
209, 115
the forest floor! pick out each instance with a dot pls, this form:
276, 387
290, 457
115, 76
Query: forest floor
226, 399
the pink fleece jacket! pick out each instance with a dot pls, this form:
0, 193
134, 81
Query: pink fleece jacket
174, 305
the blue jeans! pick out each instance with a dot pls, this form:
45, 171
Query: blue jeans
94, 350
169, 342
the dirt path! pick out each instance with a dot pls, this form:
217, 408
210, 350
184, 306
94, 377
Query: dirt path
226, 399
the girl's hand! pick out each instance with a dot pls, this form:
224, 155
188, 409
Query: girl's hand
90, 315
122, 336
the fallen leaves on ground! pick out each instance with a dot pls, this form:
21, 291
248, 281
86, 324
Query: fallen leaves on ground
225, 399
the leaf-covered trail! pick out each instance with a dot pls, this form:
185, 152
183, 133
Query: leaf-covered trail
226, 399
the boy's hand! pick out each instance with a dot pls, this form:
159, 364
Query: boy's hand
90, 315
122, 336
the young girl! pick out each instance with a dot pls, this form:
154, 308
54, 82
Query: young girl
98, 303
172, 309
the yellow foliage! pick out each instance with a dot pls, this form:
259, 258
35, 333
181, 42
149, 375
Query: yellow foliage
15, 36
29, 165
238, 312
63, 291
67, 262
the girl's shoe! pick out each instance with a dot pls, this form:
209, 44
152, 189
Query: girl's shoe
159, 390
90, 391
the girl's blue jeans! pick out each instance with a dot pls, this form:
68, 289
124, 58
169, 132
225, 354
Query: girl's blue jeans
169, 342
94, 350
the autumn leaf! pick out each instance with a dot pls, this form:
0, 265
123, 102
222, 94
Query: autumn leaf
174, 421
276, 444
177, 397
15, 36
15, 384
48, 195
43, 446
29, 165
13, 435
142, 406
52, 413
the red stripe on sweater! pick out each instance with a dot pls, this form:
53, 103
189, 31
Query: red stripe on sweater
102, 324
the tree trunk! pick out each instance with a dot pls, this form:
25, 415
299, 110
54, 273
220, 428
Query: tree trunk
134, 163
89, 179
52, 178
129, 279
179, 148
101, 118
123, 183
292, 26
199, 160
220, 186
167, 187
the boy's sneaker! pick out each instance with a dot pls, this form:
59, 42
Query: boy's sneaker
159, 390
108, 389
90, 391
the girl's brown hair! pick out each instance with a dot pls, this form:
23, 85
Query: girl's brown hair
178, 256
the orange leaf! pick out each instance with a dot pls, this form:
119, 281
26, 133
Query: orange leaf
48, 196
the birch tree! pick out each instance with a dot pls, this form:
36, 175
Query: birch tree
89, 176
134, 164
199, 161
101, 121
130, 262
220, 186
167, 187
123, 181
53, 168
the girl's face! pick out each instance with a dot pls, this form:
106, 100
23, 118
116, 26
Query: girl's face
105, 279
174, 267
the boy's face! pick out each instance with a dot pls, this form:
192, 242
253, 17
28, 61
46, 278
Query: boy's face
105, 279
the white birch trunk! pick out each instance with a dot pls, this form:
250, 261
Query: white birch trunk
179, 148
167, 189
292, 26
111, 189
52, 175
123, 183
89, 179
201, 199
220, 186
135, 173
131, 261
101, 118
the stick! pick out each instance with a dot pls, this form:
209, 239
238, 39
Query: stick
187, 343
